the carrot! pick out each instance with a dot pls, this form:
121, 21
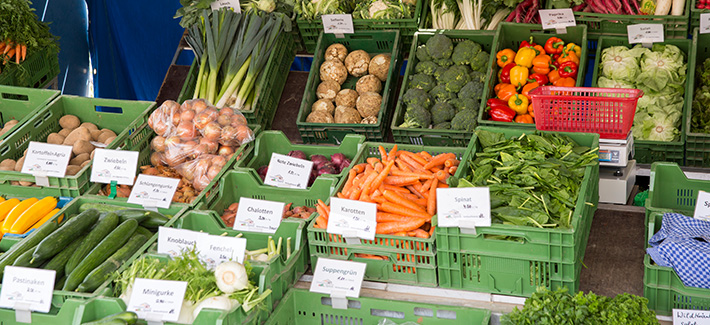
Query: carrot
381, 177
391, 217
453, 169
17, 53
420, 175
8, 47
379, 166
9, 55
431, 202
393, 153
401, 200
359, 168
431, 230
451, 162
341, 195
427, 185
372, 161
399, 209
379, 199
442, 185
416, 192
420, 233
402, 165
439, 160
383, 152
409, 196
321, 212
399, 233
401, 180
415, 157
376, 193
325, 208
427, 156
355, 194
349, 183
442, 175
390, 227
321, 222
370, 256
393, 188
366, 198
24, 51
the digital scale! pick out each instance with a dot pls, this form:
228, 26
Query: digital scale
617, 169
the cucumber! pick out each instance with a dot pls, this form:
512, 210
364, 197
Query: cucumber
124, 317
148, 219
109, 245
145, 232
94, 279
101, 207
100, 230
65, 234
112, 321
59, 261
29, 242
25, 260
59, 283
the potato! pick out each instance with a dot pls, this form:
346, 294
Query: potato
69, 122
24, 183
95, 134
8, 163
55, 138
14, 183
90, 126
109, 140
82, 146
79, 159
73, 169
6, 168
108, 131
80, 133
85, 163
11, 123
64, 132
20, 162
105, 135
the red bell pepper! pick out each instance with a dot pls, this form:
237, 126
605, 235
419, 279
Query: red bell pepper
538, 48
495, 102
554, 45
568, 69
501, 114
539, 78
505, 73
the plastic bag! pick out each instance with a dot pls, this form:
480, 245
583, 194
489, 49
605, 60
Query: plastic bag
386, 321
202, 170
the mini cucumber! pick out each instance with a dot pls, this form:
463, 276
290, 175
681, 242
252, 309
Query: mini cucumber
25, 260
100, 230
28, 243
148, 219
59, 261
94, 279
65, 234
145, 232
127, 317
59, 283
101, 207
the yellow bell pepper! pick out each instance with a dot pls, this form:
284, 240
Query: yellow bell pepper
519, 76
574, 48
519, 104
525, 56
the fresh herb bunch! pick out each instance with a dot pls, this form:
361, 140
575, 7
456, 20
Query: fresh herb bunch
21, 25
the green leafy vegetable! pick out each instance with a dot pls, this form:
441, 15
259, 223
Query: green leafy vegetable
700, 118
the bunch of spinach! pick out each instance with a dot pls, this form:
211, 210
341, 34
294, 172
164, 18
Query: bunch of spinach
534, 179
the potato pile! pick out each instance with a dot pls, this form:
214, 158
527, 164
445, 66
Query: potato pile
8, 126
342, 105
82, 137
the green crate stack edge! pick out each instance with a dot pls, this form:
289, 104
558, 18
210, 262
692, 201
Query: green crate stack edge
302, 307
695, 15
270, 86
310, 30
510, 35
647, 151
670, 191
548, 257
65, 302
22, 104
426, 136
697, 145
372, 42
140, 140
615, 25
38, 127
39, 68
410, 260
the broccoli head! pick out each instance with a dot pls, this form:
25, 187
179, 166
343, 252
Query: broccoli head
444, 63
464, 103
465, 51
472, 90
416, 117
443, 126
439, 47
455, 78
426, 67
440, 93
422, 54
478, 76
422, 81
416, 97
439, 72
442, 112
465, 120
480, 61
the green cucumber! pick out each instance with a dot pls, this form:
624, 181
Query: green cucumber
100, 230
112, 321
29, 242
109, 245
145, 232
25, 260
101, 207
59, 261
65, 234
60, 283
97, 277
124, 317
148, 219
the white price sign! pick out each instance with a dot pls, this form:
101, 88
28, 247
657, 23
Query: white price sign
335, 275
45, 159
702, 206
338, 24
173, 241
352, 218
217, 249
691, 317
558, 19
645, 34
704, 23
232, 4
27, 289
258, 215
153, 191
157, 300
286, 171
464, 207
114, 165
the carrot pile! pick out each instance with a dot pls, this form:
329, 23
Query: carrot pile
403, 185
10, 50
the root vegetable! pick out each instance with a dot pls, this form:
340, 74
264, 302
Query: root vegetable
79, 159
95, 134
324, 105
55, 138
89, 126
348, 115
357, 63
320, 117
69, 122
328, 89
82, 146
346, 97
368, 104
109, 140
73, 169
336, 51
64, 132
380, 66
80, 133
333, 70
231, 276
368, 83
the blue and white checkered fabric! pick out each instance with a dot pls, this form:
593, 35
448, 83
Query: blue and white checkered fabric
683, 243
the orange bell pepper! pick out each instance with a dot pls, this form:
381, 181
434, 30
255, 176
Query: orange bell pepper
567, 57
565, 82
531, 110
504, 57
524, 118
539, 49
553, 76
541, 64
506, 91
527, 88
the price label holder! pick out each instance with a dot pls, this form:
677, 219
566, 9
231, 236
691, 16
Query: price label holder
645, 34
702, 206
687, 316
354, 220
258, 215
557, 19
173, 241
44, 160
340, 279
338, 24
215, 250
466, 208
289, 172
157, 301
25, 290
231, 4
153, 191
114, 165
704, 23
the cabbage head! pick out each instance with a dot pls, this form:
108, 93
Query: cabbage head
663, 67
658, 127
621, 63
605, 82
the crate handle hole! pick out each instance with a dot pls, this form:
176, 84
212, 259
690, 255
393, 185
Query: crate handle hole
425, 312
15, 96
354, 304
363, 37
446, 314
387, 313
109, 109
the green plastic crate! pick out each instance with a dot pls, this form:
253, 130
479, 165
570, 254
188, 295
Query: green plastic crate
56, 315
39, 68
646, 151
130, 115
17, 103
615, 25
407, 27
372, 42
301, 307
541, 257
280, 273
269, 86
695, 15
432, 137
697, 145
410, 260
100, 307
510, 35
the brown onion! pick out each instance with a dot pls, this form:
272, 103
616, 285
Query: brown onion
171, 143
219, 161
200, 149
156, 159
238, 119
160, 127
204, 118
201, 166
187, 116
223, 120
212, 146
174, 157
158, 143
228, 111
176, 119
186, 131
225, 151
199, 105
186, 105
213, 172
189, 147
201, 183
212, 131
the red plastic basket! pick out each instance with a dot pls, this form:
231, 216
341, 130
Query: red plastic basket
606, 111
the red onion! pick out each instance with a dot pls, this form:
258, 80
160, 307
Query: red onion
262, 172
297, 154
344, 164
318, 160
337, 158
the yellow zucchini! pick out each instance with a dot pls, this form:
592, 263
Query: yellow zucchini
6, 206
16, 212
45, 219
33, 214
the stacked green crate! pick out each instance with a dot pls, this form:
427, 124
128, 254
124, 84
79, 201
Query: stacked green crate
697, 145
21, 104
36, 71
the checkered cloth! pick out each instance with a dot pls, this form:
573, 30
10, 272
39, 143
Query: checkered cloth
683, 243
